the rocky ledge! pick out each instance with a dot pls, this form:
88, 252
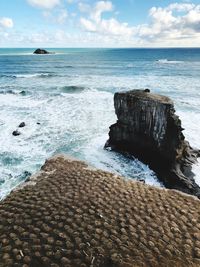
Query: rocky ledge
71, 215
148, 128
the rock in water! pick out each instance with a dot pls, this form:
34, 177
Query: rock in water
40, 51
149, 129
16, 133
22, 124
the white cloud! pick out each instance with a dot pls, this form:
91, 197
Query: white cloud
6, 22
95, 23
172, 24
99, 8
180, 6
88, 25
177, 24
48, 4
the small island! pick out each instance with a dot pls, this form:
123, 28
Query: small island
41, 51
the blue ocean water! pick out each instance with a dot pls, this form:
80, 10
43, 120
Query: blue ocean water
66, 101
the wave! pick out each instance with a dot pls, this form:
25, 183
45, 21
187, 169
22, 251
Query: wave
64, 67
72, 89
166, 61
13, 92
27, 76
4, 92
39, 75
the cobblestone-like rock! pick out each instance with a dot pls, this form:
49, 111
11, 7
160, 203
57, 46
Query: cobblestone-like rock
71, 215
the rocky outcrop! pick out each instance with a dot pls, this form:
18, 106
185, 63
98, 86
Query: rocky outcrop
40, 51
149, 129
22, 124
16, 133
71, 215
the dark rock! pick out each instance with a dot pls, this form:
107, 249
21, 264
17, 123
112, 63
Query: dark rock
16, 133
22, 124
40, 51
38, 123
146, 90
23, 93
149, 129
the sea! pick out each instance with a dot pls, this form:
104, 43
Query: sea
66, 102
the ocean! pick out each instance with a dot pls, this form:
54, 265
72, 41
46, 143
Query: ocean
66, 101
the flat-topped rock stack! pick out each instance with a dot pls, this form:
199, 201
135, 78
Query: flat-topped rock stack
148, 128
72, 215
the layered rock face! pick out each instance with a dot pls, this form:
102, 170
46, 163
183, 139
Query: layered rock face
148, 128
70, 215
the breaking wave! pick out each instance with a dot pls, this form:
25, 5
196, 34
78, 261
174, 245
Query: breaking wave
72, 89
166, 61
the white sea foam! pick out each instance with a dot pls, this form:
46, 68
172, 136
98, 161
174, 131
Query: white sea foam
166, 61
42, 75
190, 121
114, 162
76, 124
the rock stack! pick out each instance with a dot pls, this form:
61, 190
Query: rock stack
148, 128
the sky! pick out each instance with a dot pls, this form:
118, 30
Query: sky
89, 23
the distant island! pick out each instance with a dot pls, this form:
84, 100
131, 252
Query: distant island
42, 52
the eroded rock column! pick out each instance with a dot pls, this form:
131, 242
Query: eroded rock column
148, 128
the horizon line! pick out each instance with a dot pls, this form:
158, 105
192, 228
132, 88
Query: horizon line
89, 47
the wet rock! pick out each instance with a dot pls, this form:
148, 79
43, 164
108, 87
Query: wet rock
22, 124
148, 128
40, 51
23, 93
16, 133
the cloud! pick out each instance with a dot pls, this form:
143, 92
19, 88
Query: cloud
177, 24
96, 24
99, 8
47, 4
172, 23
6, 22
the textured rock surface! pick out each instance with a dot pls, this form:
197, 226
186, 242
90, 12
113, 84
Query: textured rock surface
71, 215
148, 128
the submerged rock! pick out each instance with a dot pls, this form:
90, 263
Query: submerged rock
41, 51
149, 129
72, 215
16, 133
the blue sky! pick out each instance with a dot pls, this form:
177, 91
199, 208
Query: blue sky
86, 23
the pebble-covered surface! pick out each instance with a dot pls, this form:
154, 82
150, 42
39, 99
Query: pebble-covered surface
71, 215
